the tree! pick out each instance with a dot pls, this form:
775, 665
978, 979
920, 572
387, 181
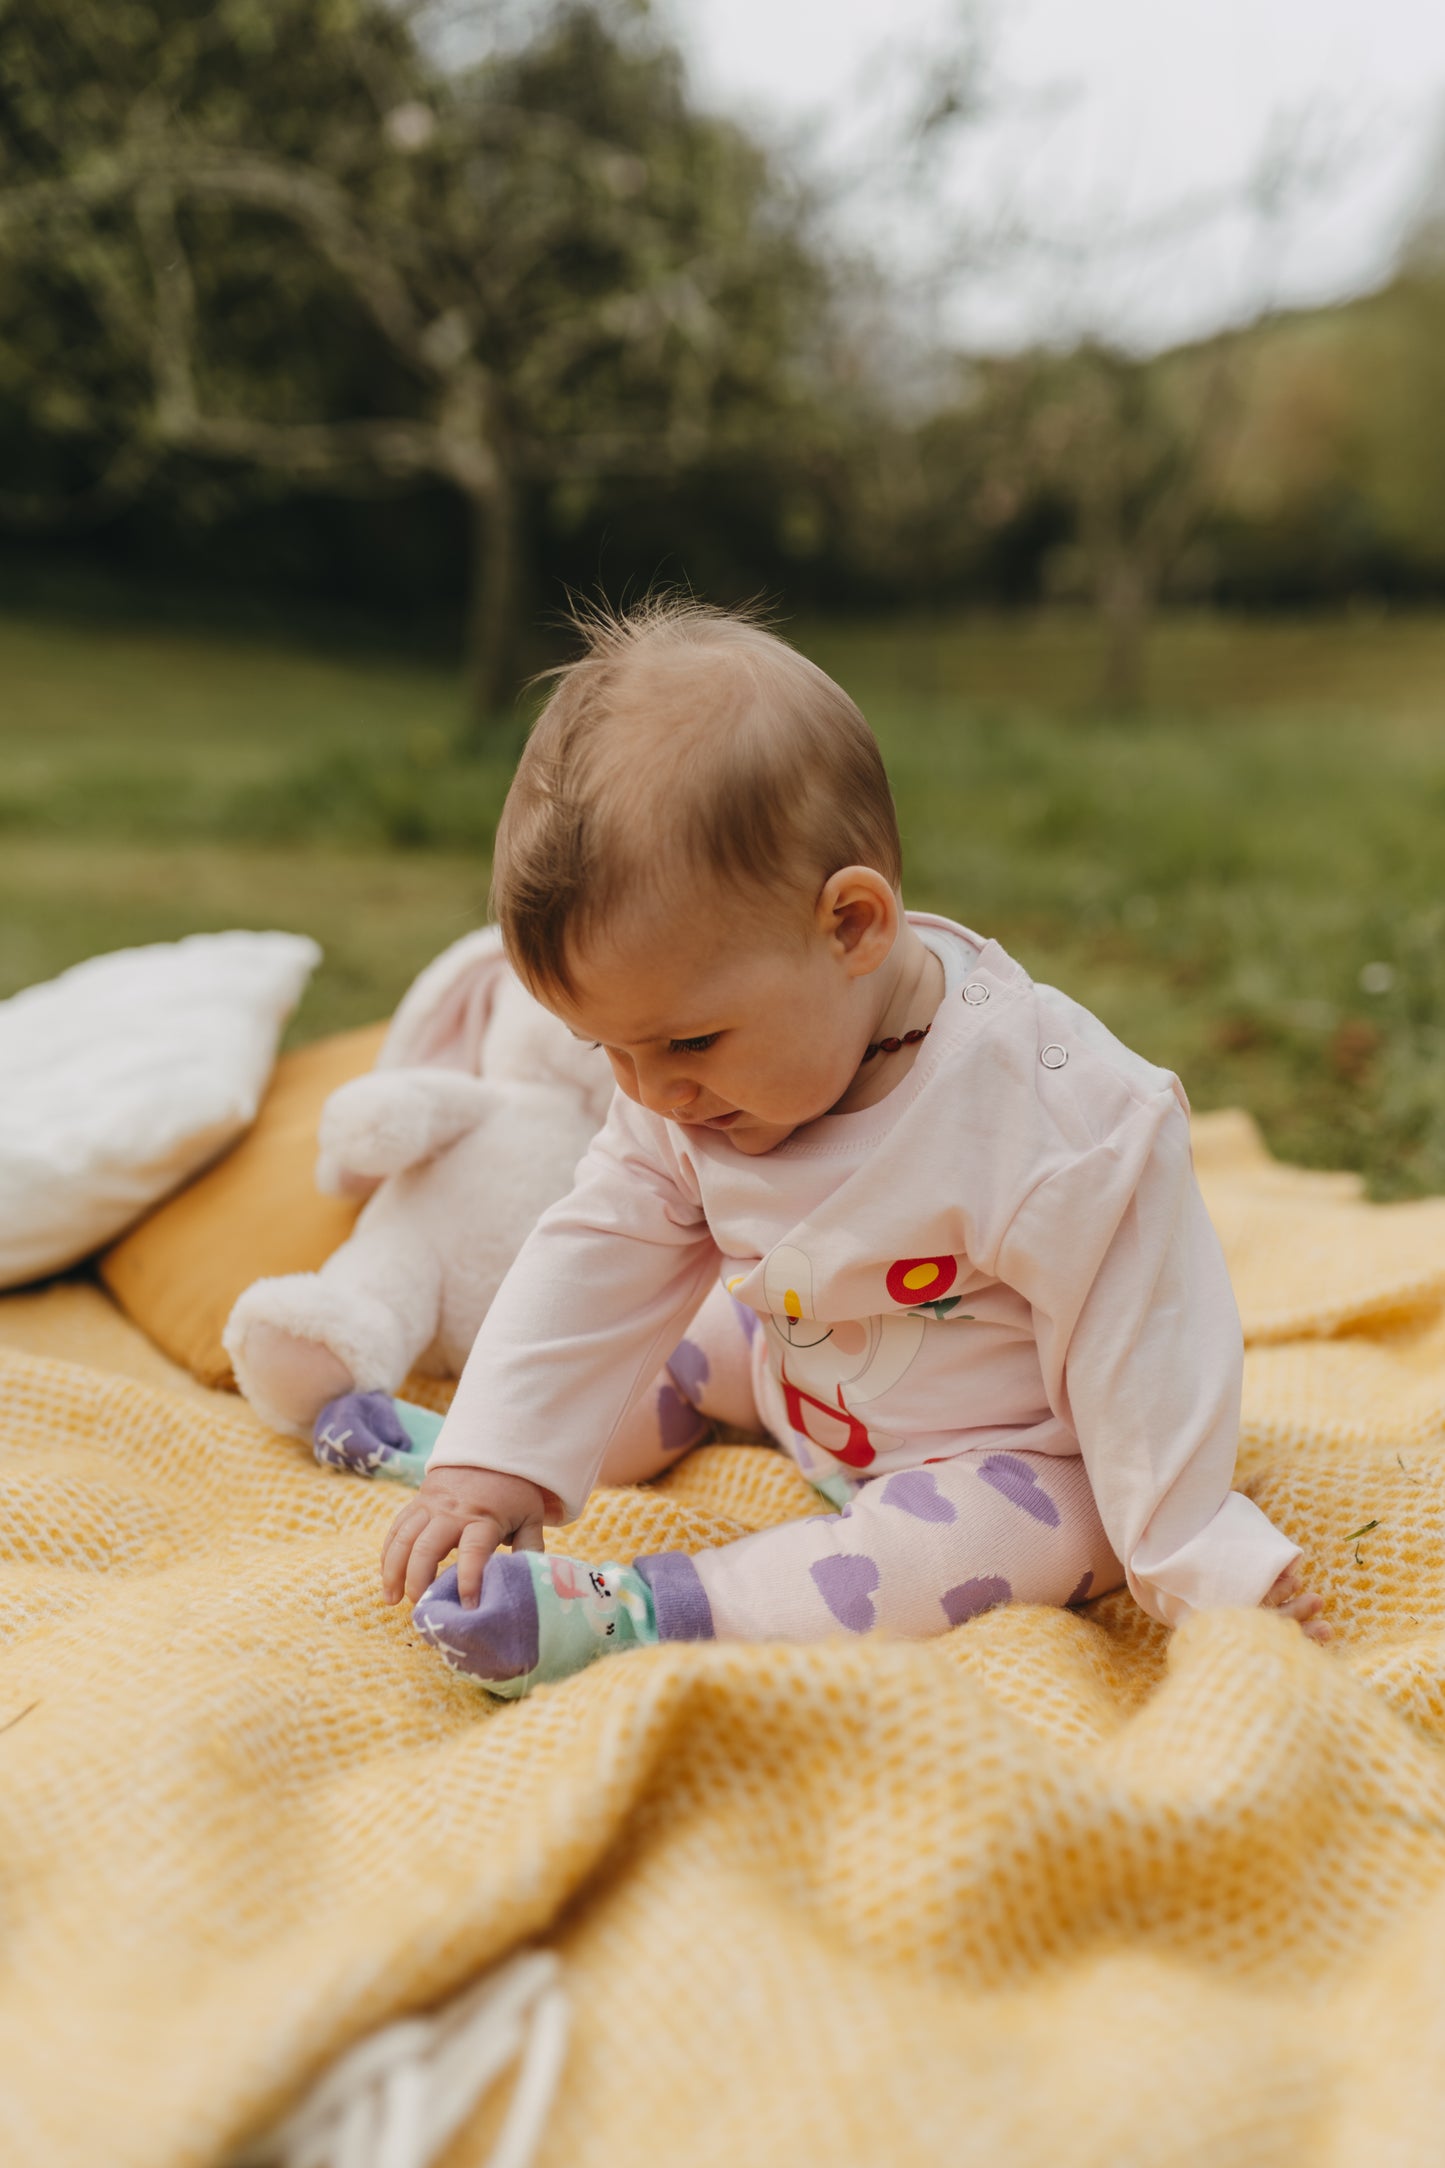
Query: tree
1132, 449
1124, 444
288, 234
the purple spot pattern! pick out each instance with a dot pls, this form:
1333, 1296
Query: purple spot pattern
748, 1318
971, 1597
917, 1492
678, 1422
690, 1368
846, 1586
1082, 1590
1015, 1480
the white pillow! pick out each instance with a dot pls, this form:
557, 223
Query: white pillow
124, 1076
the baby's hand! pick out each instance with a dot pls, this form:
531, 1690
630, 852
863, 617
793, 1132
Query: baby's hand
1298, 1603
466, 1510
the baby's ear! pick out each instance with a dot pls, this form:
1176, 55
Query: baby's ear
860, 912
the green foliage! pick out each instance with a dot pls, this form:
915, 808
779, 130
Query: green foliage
293, 242
358, 223
1395, 425
662, 274
1243, 881
1332, 484
1300, 460
92, 92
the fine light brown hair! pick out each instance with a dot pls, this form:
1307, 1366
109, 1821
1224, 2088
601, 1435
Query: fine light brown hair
687, 751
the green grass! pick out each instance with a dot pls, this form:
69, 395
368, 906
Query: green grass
1213, 876
157, 782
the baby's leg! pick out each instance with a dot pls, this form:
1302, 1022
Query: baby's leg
707, 1379
914, 1554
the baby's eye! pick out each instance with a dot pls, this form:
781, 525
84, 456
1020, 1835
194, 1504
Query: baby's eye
692, 1046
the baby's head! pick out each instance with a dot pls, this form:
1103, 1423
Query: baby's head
698, 867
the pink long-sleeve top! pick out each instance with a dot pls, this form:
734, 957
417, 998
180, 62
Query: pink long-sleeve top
1008, 1251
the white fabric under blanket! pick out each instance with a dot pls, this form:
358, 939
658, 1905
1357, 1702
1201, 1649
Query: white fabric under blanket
124, 1076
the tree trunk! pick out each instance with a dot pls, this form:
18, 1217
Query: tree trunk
1125, 604
494, 588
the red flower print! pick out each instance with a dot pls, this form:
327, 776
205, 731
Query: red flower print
920, 1279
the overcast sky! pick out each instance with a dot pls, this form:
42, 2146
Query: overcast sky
1113, 111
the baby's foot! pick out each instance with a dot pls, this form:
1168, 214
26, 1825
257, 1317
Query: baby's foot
1298, 1603
539, 1618
372, 1434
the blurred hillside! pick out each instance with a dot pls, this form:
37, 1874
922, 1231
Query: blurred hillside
1335, 489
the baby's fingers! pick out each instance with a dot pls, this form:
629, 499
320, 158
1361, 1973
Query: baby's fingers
396, 1549
527, 1536
1285, 1587
429, 1547
479, 1540
1306, 1608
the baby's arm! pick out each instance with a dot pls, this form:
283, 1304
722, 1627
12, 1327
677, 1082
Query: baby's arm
592, 1305
1140, 1343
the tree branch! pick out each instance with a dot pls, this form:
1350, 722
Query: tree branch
317, 203
398, 448
34, 203
312, 200
172, 342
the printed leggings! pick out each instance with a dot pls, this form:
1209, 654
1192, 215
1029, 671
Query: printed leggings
913, 1553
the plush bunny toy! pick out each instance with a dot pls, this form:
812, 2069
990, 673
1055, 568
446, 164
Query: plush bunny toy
471, 1124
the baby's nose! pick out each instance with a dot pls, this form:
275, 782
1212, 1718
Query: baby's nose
664, 1094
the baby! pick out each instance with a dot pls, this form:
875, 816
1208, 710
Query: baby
864, 1186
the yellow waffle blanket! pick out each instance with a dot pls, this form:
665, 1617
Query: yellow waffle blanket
1055, 1888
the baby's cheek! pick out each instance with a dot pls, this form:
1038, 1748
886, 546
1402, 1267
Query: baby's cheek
773, 1087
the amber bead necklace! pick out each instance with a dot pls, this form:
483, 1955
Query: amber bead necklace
891, 1046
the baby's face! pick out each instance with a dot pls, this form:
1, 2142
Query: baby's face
722, 1024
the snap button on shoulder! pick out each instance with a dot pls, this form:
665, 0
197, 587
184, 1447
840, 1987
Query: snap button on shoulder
975, 992
1054, 1057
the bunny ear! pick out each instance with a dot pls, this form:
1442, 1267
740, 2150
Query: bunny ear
444, 1014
